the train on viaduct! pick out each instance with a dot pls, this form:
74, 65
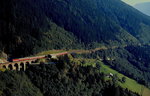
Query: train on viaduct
23, 63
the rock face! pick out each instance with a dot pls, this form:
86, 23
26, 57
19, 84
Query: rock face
3, 61
3, 57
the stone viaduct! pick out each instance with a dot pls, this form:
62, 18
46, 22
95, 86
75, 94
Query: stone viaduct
22, 65
18, 66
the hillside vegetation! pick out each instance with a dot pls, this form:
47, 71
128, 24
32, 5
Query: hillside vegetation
30, 26
131, 61
129, 83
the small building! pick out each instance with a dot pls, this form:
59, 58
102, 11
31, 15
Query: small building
110, 75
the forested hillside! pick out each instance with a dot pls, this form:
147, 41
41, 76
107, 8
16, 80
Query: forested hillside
30, 26
17, 84
108, 31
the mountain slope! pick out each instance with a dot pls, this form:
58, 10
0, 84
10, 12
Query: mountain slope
27, 25
25, 31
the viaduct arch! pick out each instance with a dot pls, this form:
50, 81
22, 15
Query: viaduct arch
18, 66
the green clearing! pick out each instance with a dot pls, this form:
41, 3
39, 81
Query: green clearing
50, 52
129, 84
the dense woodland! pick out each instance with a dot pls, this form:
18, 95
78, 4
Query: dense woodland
65, 78
31, 26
